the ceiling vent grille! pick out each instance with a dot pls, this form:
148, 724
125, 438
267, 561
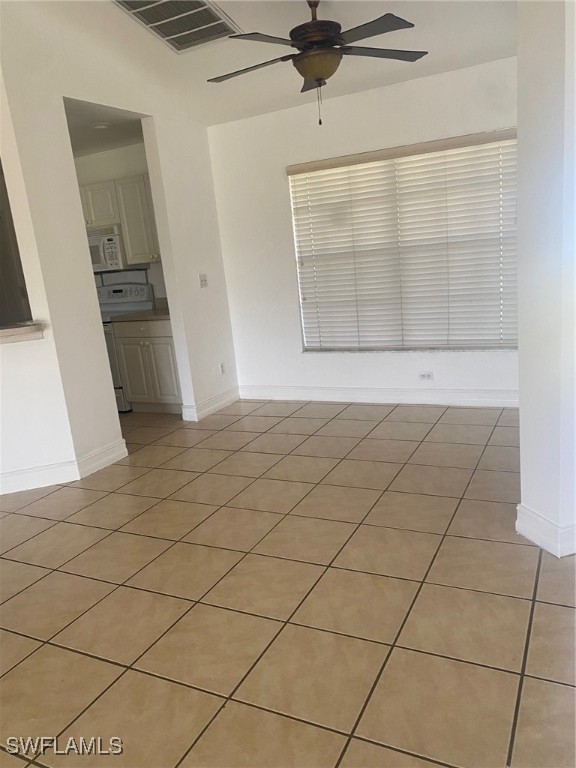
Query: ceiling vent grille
182, 24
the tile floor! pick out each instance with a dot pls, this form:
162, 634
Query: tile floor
290, 585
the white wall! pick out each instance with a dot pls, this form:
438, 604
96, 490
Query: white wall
547, 288
249, 158
93, 52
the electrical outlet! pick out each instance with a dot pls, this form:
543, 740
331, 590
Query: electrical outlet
426, 376
222, 369
203, 280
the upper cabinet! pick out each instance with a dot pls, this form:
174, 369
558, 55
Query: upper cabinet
127, 202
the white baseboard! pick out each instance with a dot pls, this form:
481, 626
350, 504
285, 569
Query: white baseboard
101, 457
211, 405
559, 540
498, 398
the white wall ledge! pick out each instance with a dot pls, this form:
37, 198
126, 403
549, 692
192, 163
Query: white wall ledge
21, 332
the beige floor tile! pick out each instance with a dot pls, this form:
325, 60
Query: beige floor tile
359, 604
234, 528
186, 570
123, 625
299, 426
327, 447
117, 558
159, 483
557, 580
157, 721
246, 464
170, 519
467, 625
447, 455
368, 412
434, 481
459, 433
133, 447
421, 413
50, 604
505, 436
210, 648
9, 761
113, 511
494, 520
271, 495
185, 438
476, 416
545, 730
552, 648
14, 577
443, 709
141, 419
510, 418
16, 529
389, 552
376, 475
384, 450
337, 503
321, 410
197, 459
306, 469
13, 649
254, 423
412, 511
306, 539
62, 503
110, 478
401, 430
12, 502
43, 693
228, 441
212, 489
274, 443
57, 545
146, 435
215, 421
150, 456
240, 408
266, 586
347, 427
494, 486
500, 458
278, 409
245, 737
488, 566
361, 754
315, 676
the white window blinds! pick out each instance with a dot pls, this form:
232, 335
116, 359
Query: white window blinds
417, 251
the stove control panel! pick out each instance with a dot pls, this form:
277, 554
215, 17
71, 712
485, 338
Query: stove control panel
124, 293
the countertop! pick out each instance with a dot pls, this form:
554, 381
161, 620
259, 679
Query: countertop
153, 314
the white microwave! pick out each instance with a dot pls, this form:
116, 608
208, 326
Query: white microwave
106, 249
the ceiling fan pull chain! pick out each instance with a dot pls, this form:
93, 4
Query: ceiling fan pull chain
319, 98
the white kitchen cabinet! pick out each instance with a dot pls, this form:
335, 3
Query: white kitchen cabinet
136, 221
100, 205
147, 362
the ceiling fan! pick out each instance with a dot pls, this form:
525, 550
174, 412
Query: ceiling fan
321, 44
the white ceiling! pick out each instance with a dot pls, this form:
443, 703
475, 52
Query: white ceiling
125, 127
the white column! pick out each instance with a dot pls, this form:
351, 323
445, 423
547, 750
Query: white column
546, 274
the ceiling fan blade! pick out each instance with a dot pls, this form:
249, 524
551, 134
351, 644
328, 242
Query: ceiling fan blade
221, 78
387, 23
311, 84
260, 38
383, 53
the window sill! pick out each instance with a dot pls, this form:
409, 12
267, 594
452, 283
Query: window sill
21, 332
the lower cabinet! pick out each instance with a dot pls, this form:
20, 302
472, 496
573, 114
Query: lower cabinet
147, 366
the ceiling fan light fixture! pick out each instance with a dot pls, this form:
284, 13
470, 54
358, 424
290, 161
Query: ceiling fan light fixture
319, 64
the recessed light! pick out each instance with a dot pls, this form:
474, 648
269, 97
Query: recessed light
101, 126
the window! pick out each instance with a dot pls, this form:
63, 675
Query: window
14, 306
410, 250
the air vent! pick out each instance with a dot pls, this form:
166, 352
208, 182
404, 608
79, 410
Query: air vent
182, 24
